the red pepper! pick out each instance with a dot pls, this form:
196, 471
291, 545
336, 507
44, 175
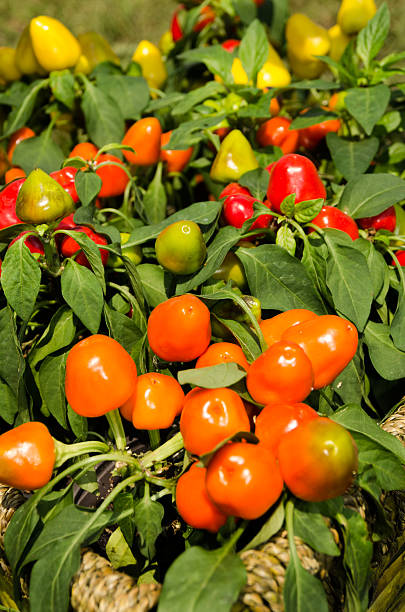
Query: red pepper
330, 216
8, 197
275, 132
32, 242
69, 246
385, 220
175, 27
312, 136
294, 173
401, 258
238, 207
207, 16
231, 44
66, 178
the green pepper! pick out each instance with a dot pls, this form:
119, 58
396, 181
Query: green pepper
234, 158
42, 200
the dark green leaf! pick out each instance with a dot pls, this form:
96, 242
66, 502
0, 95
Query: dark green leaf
19, 531
38, 152
212, 377
285, 239
348, 278
352, 157
62, 84
245, 9
279, 280
272, 526
58, 334
203, 213
88, 185
12, 364
154, 200
254, 49
123, 329
92, 252
213, 584
287, 206
398, 322
387, 359
190, 133
256, 181
52, 387
78, 424
372, 37
311, 117
156, 283
244, 336
387, 468
214, 57
104, 121
23, 111
148, 520
20, 279
83, 292
375, 261
370, 194
367, 105
358, 550
356, 420
313, 84
301, 589
311, 527
349, 383
8, 403
130, 93
224, 240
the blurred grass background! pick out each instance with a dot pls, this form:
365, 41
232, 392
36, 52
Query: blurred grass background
125, 22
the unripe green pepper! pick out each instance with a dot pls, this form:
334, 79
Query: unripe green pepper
234, 158
305, 40
134, 253
42, 200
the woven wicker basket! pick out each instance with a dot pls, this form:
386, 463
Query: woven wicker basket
97, 587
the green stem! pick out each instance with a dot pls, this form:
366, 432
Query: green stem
154, 438
63, 452
115, 422
164, 451
51, 255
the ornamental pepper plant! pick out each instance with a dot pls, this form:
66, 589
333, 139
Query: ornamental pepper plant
202, 302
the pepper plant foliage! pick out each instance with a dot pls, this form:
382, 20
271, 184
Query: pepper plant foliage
49, 302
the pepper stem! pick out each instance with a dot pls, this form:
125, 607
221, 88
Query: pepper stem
63, 452
115, 422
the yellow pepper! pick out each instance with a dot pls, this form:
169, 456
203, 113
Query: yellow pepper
273, 73
234, 158
148, 56
166, 42
54, 46
353, 15
96, 49
8, 68
338, 42
305, 40
83, 65
25, 58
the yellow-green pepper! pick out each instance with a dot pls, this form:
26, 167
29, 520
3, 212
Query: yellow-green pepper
235, 157
96, 49
305, 40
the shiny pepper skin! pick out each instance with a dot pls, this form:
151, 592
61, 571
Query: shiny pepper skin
8, 197
234, 158
175, 159
42, 200
294, 173
66, 178
312, 136
27, 456
330, 216
149, 57
353, 15
54, 46
305, 40
69, 246
276, 132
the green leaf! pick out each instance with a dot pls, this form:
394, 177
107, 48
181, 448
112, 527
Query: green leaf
285, 239
213, 584
203, 213
212, 377
254, 49
372, 37
214, 57
349, 383
38, 152
123, 329
148, 520
21, 279
224, 240
8, 403
387, 468
59, 333
24, 109
118, 551
301, 589
398, 322
311, 117
245, 9
370, 194
83, 293
375, 261
78, 424
358, 551
311, 527
154, 199
244, 336
348, 278
352, 157
256, 181
19, 531
272, 526
355, 419
104, 121
279, 280
156, 283
62, 85
313, 84
287, 206
307, 210
92, 252
196, 96
190, 133
367, 104
387, 359
88, 185
52, 387
12, 364
130, 94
